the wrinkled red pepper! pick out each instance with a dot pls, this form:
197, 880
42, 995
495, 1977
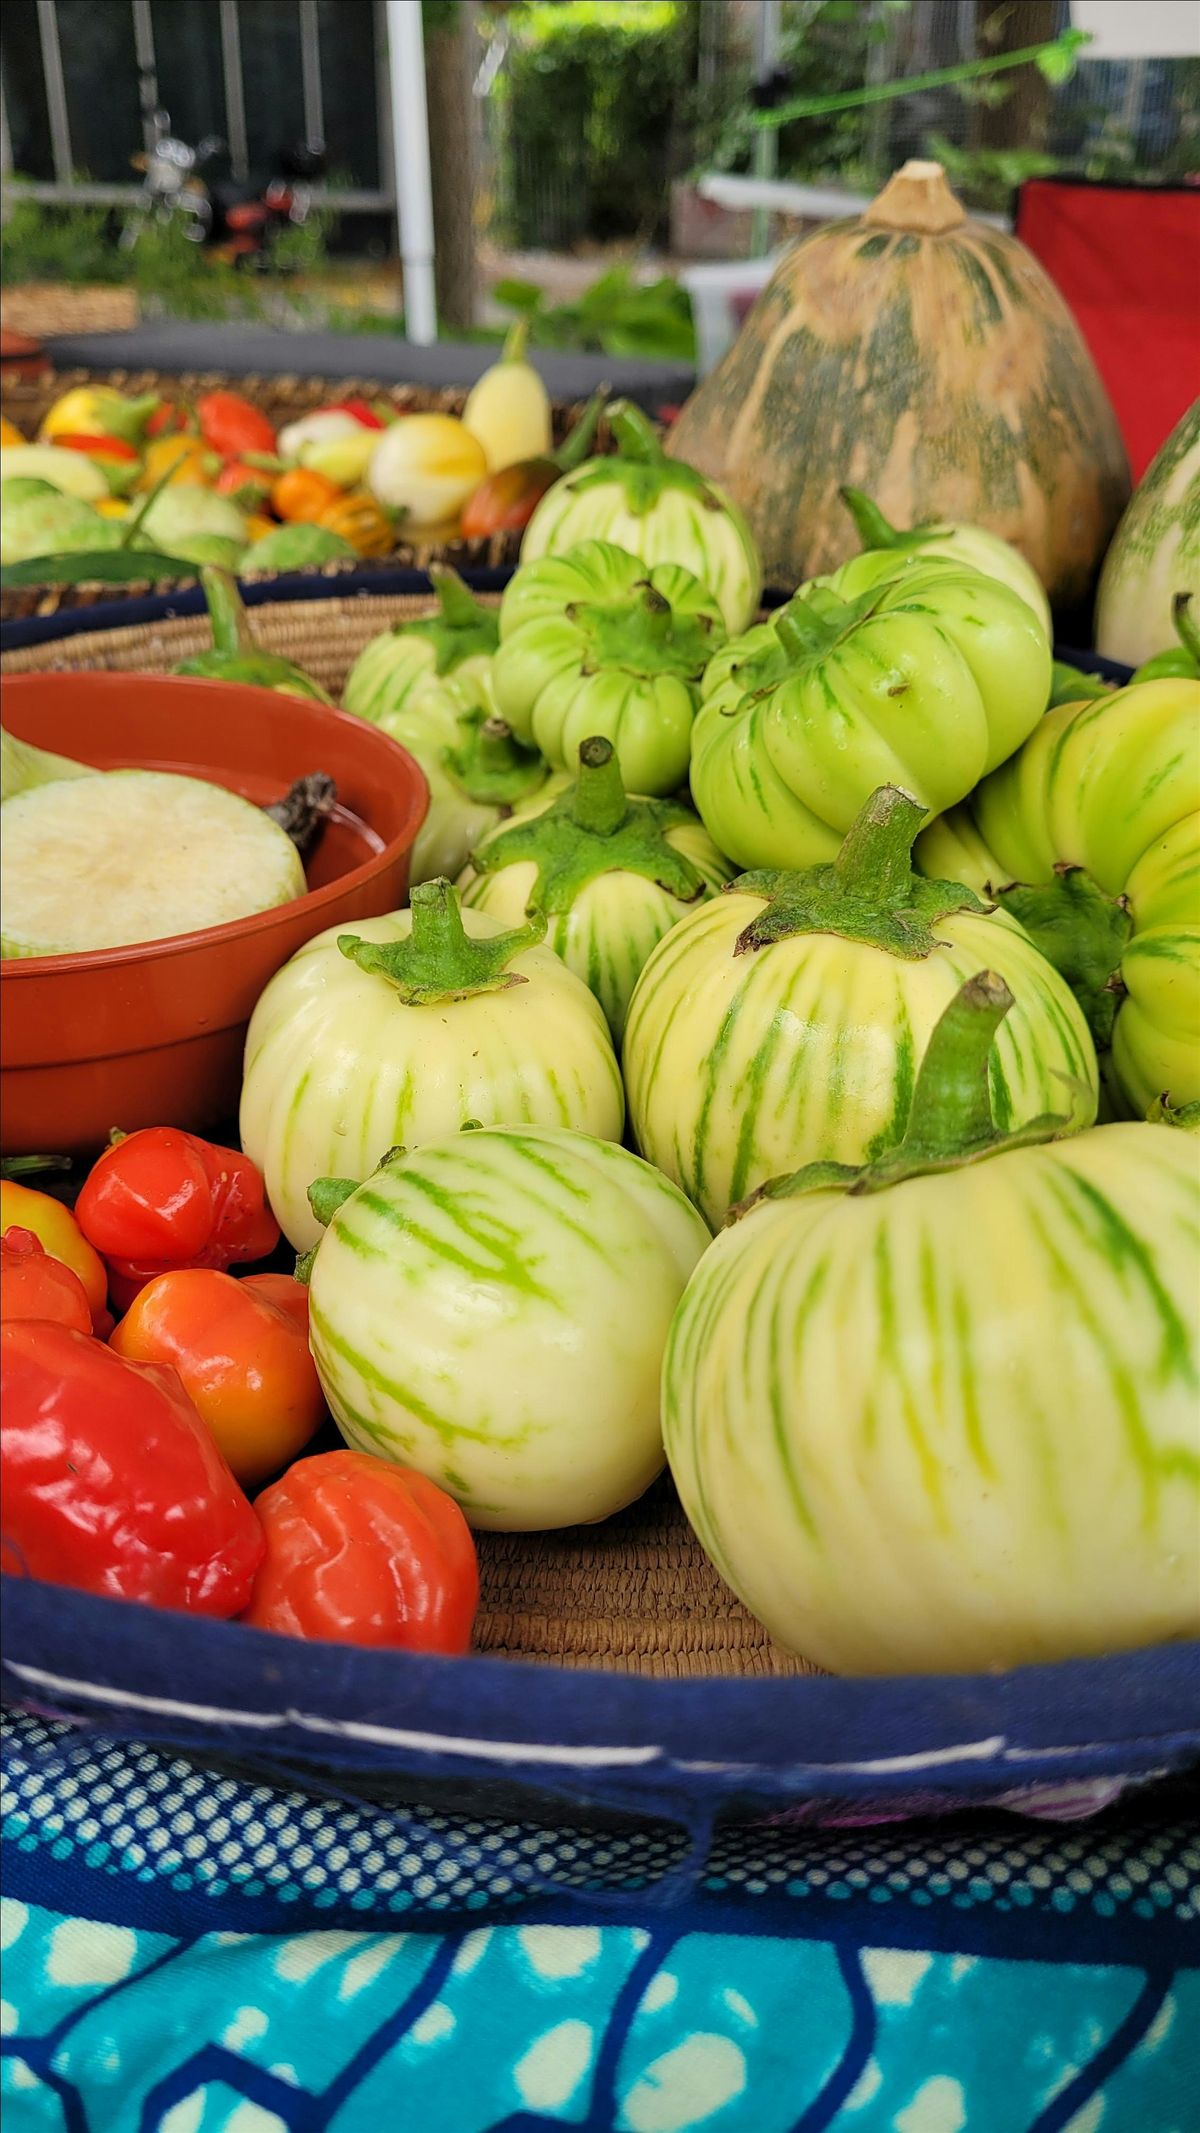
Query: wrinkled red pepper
161, 1199
362, 1552
110, 1480
34, 1285
232, 425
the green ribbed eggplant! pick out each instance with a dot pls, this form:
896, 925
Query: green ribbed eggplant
391, 671
404, 1030
895, 671
492, 1309
1090, 836
944, 1414
597, 642
612, 874
659, 509
784, 1022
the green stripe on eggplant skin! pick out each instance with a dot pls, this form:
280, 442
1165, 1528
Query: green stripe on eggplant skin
1139, 1444
1126, 1254
1170, 945
891, 1352
1002, 1108
962, 1324
498, 1241
392, 1389
905, 1081
777, 1392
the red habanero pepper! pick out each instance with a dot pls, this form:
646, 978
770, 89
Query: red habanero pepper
162, 1198
35, 1285
231, 425
241, 1350
111, 1482
362, 1552
24, 1208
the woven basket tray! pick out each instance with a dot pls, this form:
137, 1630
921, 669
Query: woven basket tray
26, 401
642, 1685
637, 1593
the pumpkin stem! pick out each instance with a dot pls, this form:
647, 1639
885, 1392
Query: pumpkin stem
598, 802
439, 960
874, 530
1186, 627
916, 199
636, 435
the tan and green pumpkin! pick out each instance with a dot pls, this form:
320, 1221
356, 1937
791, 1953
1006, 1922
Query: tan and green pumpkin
926, 359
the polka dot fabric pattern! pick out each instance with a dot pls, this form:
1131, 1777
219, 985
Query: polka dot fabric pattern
189, 1951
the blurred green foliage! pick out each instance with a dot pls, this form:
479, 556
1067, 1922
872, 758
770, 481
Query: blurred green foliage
616, 316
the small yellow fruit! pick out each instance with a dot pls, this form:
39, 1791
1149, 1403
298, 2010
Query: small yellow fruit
425, 467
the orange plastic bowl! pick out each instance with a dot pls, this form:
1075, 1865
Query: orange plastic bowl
153, 1034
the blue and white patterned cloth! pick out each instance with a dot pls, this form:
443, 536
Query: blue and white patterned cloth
190, 1951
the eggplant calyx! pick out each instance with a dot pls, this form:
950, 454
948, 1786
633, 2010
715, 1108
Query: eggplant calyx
1083, 931
593, 829
439, 960
489, 765
868, 893
461, 629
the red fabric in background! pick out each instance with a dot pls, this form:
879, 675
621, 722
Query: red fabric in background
1128, 264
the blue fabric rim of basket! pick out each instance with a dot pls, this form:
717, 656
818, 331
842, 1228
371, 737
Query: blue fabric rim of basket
617, 1740
611, 1740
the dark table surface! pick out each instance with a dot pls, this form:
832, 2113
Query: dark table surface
243, 351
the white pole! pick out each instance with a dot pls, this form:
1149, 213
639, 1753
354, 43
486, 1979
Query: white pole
766, 139
410, 155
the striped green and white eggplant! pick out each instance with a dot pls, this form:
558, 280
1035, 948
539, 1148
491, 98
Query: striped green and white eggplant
596, 642
659, 509
943, 1413
784, 1022
407, 1029
946, 541
895, 671
611, 873
391, 672
475, 771
492, 1309
428, 684
1090, 836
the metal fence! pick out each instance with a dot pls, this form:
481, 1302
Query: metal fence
81, 79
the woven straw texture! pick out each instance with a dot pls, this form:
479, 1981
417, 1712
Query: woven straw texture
282, 399
42, 309
638, 1592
